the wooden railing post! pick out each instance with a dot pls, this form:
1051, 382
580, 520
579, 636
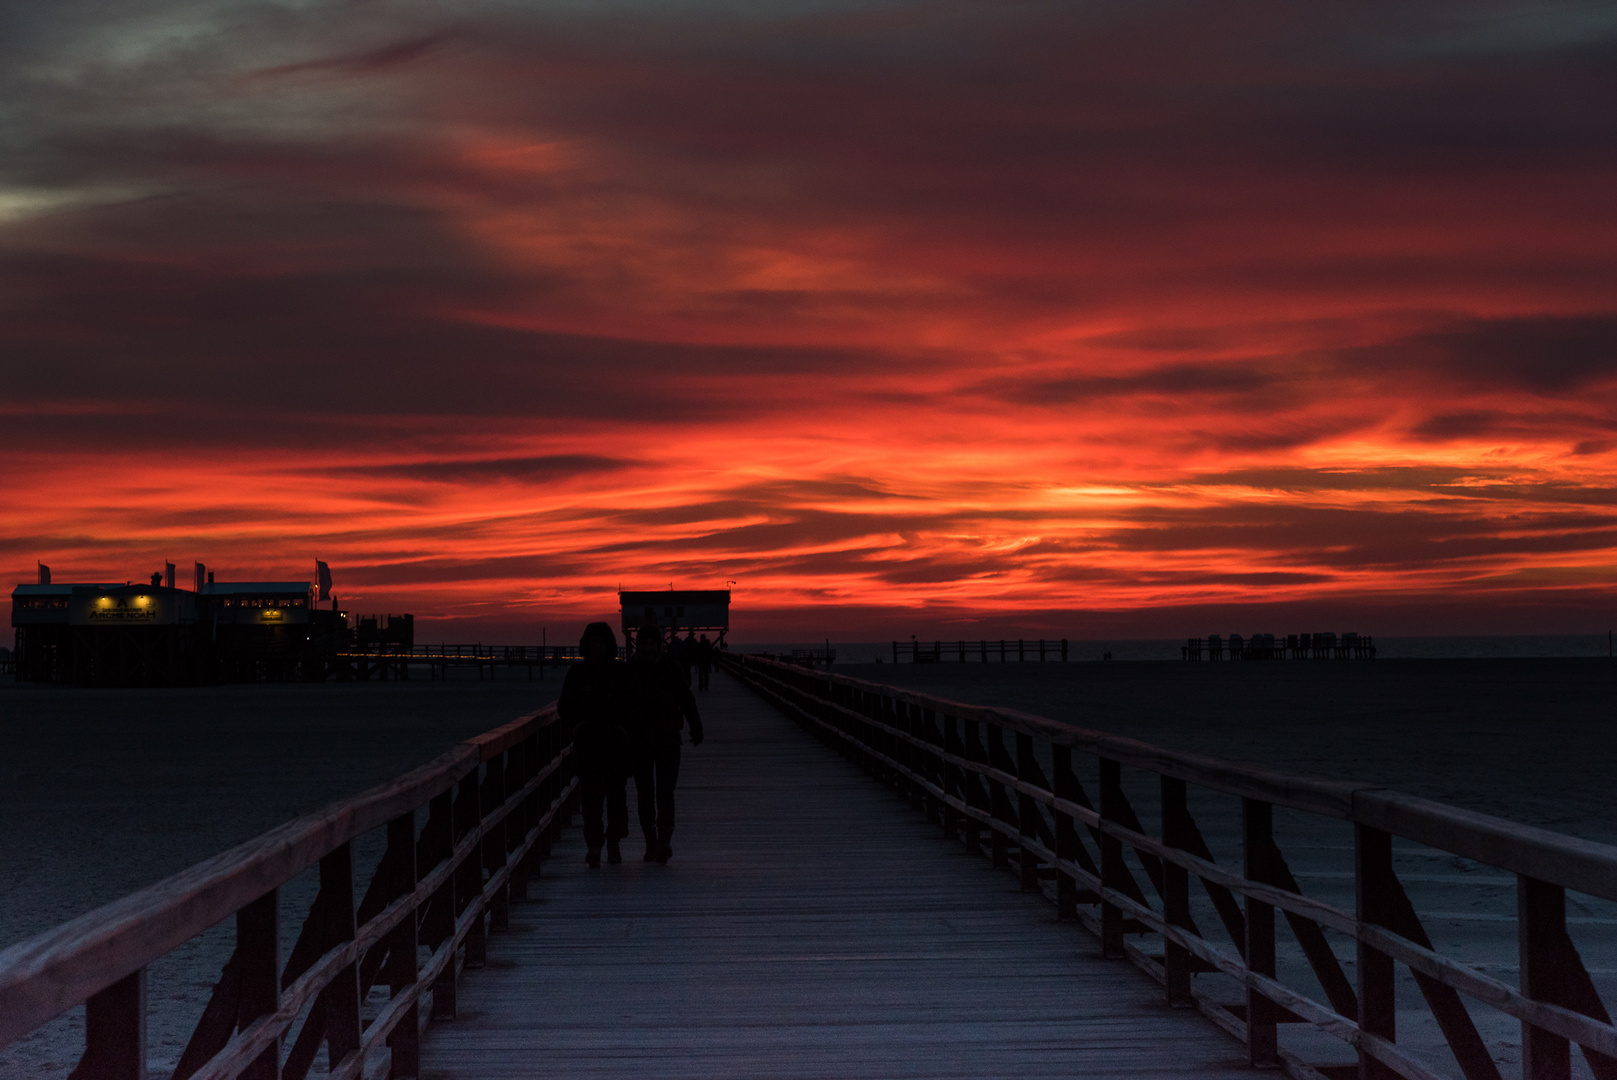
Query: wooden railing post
439, 923
1377, 901
552, 786
932, 767
258, 960
495, 845
1065, 782
903, 752
523, 757
115, 1032
1176, 827
998, 800
402, 968
949, 775
1027, 814
469, 874
1262, 1036
1541, 930
342, 993
1112, 868
972, 829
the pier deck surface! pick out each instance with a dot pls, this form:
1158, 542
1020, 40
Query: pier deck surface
810, 925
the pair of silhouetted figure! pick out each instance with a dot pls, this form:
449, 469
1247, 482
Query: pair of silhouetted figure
626, 719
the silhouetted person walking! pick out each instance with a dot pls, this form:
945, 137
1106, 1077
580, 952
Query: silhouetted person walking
663, 705
704, 662
595, 713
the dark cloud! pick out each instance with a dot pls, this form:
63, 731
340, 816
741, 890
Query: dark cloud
1175, 380
358, 65
1550, 355
1364, 538
1283, 478
539, 469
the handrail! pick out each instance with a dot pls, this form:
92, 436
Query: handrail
951, 758
494, 803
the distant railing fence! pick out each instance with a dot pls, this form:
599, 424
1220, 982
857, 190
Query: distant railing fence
1271, 647
953, 760
983, 650
492, 806
395, 661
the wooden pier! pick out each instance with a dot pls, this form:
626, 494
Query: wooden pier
808, 926
922, 888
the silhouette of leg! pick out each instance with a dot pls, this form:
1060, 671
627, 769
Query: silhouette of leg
617, 805
667, 776
592, 796
646, 801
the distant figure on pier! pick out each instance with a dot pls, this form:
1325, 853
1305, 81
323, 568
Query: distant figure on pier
595, 713
704, 662
687, 654
662, 705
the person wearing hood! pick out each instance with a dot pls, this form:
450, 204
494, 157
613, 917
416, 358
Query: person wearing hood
663, 706
594, 710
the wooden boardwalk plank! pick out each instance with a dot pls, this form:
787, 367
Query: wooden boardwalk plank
810, 925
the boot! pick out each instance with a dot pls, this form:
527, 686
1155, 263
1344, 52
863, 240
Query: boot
665, 848
593, 857
651, 849
614, 854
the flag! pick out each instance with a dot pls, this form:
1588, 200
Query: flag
323, 575
202, 574
44, 574
168, 574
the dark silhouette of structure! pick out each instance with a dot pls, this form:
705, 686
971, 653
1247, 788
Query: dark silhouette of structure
97, 634
684, 611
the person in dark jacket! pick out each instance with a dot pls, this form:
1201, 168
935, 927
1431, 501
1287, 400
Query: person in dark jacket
704, 662
663, 705
595, 711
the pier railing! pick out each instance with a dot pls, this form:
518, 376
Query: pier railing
954, 761
983, 650
395, 661
463, 835
1287, 647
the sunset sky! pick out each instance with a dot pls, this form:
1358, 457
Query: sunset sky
1087, 318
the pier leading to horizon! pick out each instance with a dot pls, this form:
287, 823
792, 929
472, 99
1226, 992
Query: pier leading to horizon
1015, 897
